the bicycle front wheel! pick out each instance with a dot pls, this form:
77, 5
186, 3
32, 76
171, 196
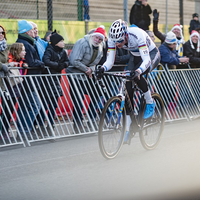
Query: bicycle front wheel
112, 127
152, 128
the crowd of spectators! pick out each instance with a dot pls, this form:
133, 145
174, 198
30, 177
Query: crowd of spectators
32, 54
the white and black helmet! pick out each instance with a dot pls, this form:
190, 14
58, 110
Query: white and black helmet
117, 30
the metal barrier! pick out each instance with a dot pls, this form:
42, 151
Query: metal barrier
49, 106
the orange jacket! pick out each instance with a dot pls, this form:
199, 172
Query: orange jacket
21, 62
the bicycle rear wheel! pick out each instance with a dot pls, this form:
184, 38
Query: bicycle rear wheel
152, 128
112, 128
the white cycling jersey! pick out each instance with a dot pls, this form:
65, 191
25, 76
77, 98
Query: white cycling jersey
139, 44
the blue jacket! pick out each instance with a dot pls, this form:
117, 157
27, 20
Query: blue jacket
168, 56
41, 46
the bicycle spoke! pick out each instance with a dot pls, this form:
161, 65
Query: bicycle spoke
153, 127
111, 128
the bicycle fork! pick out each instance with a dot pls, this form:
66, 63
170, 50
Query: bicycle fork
120, 112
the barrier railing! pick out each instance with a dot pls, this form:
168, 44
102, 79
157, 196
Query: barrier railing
50, 106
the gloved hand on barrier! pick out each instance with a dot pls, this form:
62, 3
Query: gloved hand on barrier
5, 68
99, 72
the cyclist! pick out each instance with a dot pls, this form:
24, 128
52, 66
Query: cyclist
138, 42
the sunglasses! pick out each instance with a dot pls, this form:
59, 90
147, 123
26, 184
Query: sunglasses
120, 41
2, 33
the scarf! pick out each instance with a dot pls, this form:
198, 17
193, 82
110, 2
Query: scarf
3, 45
179, 46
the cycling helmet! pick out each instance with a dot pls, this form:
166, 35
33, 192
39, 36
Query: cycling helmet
117, 30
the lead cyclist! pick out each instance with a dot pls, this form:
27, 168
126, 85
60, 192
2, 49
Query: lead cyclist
138, 42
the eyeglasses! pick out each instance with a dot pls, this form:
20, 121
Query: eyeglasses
2, 33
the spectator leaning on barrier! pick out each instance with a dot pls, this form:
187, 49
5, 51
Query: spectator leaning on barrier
55, 57
41, 45
177, 30
105, 44
29, 111
85, 55
16, 59
3, 55
3, 66
194, 23
168, 53
139, 14
192, 49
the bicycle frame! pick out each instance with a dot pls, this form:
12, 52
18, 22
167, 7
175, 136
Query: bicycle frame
126, 102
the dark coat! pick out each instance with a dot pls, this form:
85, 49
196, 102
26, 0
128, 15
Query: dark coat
32, 59
192, 54
52, 59
193, 25
122, 56
139, 15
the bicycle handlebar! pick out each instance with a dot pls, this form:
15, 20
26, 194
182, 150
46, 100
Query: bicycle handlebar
120, 75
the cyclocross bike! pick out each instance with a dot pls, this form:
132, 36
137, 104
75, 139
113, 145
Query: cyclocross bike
112, 125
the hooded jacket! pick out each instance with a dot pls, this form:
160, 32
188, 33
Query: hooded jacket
52, 58
168, 56
81, 56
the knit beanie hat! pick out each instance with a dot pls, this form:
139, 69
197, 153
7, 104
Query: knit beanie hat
170, 38
195, 15
100, 32
179, 27
24, 26
191, 43
55, 38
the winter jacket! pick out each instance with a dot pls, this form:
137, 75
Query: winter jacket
21, 62
168, 56
81, 55
41, 46
139, 15
193, 25
192, 54
22, 71
3, 61
52, 58
32, 58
